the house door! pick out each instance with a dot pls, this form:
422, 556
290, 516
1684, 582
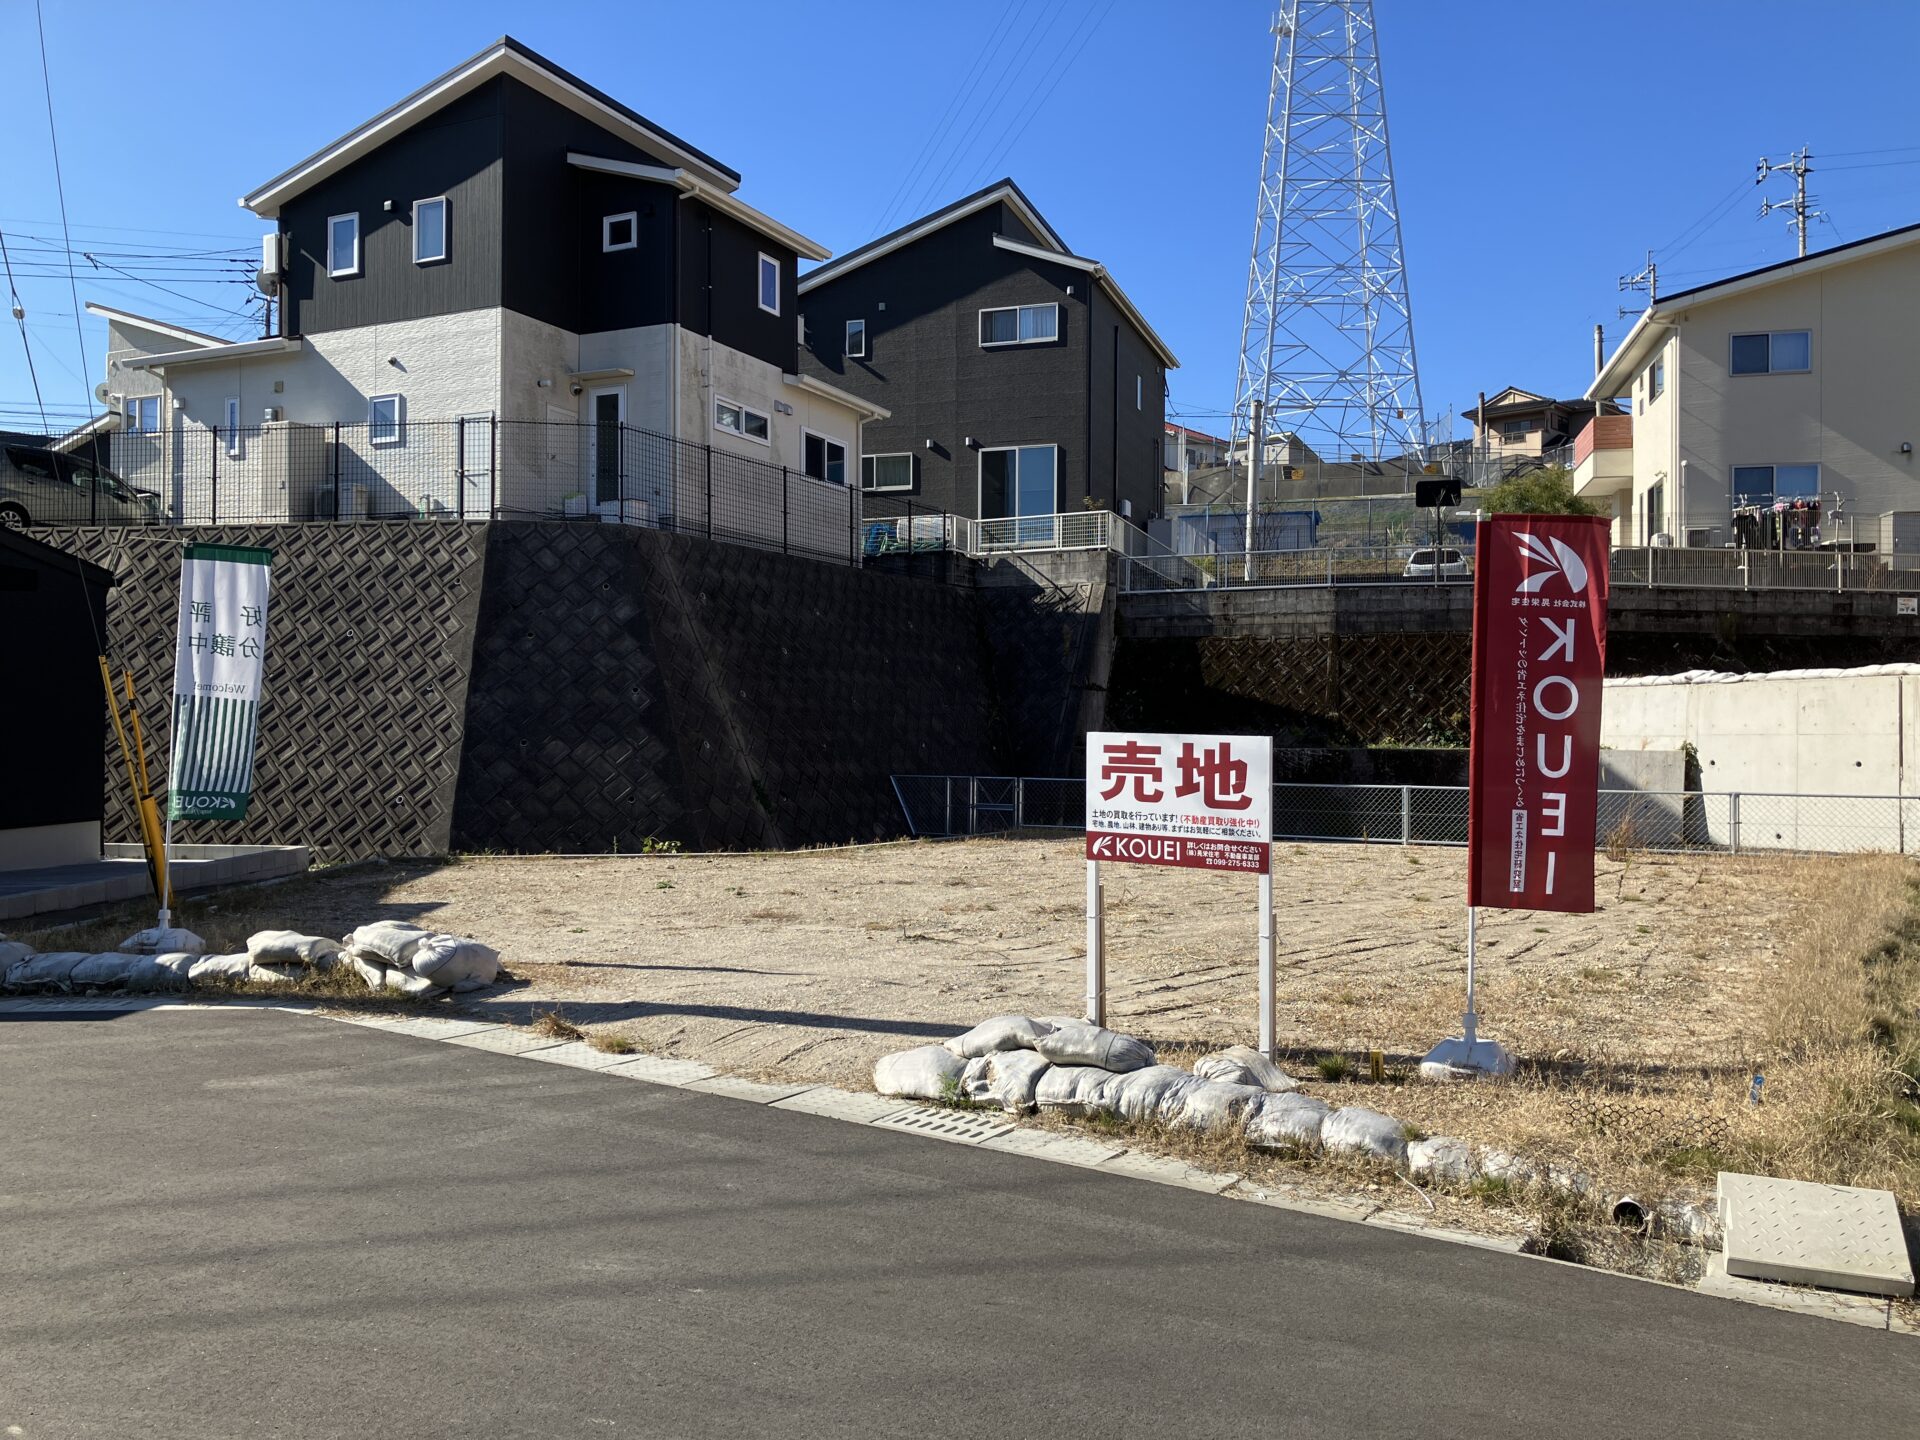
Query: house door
606, 413
1019, 495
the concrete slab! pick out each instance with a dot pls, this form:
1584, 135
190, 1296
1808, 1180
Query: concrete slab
1163, 1171
659, 1070
1414, 1225
122, 875
431, 1029
505, 1040
1835, 1236
735, 1088
580, 1055
1330, 1207
963, 1127
1062, 1149
836, 1104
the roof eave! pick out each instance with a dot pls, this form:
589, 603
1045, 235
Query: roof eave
690, 184
930, 224
213, 354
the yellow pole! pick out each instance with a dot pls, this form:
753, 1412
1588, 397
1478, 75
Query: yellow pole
149, 811
133, 780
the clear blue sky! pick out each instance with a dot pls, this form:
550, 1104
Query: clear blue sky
1540, 149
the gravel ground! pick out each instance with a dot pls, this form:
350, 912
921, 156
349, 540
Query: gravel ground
809, 965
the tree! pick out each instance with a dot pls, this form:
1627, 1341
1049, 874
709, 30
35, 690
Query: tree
1547, 491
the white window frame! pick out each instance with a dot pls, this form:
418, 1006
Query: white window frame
335, 270
607, 222
846, 454
1771, 369
980, 477
1053, 305
760, 286
743, 411
233, 424
851, 353
1657, 377
913, 470
1773, 469
398, 437
134, 407
446, 230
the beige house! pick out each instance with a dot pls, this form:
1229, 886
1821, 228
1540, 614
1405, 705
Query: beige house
1763, 394
1518, 425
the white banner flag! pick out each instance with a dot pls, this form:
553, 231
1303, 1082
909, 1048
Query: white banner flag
218, 661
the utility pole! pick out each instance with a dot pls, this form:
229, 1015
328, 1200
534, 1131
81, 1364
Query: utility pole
1647, 279
1256, 455
1796, 165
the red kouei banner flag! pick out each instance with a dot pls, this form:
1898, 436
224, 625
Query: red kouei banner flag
1539, 652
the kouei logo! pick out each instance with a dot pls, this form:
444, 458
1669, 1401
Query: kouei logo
1538, 653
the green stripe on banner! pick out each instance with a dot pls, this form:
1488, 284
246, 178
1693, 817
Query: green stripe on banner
213, 766
239, 554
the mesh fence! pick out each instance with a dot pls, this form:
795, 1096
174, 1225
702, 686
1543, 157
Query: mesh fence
473, 469
1628, 820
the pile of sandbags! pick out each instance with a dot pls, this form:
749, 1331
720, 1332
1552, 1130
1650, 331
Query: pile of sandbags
1022, 1063
392, 955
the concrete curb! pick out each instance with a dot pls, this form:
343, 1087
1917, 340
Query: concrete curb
989, 1130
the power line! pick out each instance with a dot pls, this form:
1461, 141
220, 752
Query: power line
60, 187
20, 318
1059, 74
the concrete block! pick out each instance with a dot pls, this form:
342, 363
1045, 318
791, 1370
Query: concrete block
659, 1070
580, 1055
1861, 1310
1836, 1236
735, 1088
844, 1104
1163, 1171
505, 1041
1061, 1149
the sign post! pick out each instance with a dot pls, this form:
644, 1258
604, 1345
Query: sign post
219, 657
1199, 802
1533, 767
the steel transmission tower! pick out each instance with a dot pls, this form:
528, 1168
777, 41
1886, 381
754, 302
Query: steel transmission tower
1327, 342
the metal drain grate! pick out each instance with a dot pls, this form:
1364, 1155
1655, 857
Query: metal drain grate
965, 1127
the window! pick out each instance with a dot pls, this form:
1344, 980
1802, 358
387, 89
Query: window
769, 284
886, 472
857, 339
383, 419
620, 232
1019, 325
1764, 484
739, 420
824, 458
343, 245
233, 425
1512, 430
1656, 379
1777, 352
429, 230
143, 414
1017, 481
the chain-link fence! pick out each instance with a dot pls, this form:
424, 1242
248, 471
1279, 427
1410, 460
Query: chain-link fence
1723, 822
479, 468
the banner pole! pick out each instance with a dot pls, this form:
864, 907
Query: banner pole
166, 874
1269, 986
1470, 1022
1096, 947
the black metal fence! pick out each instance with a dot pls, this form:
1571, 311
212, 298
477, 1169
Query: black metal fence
472, 469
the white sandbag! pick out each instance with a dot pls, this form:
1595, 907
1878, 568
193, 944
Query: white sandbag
1007, 1078
408, 983
449, 959
1507, 1168
220, 969
369, 968
1441, 1160
290, 947
12, 952
275, 974
392, 940
1289, 1122
106, 971
461, 987
927, 1072
44, 972
1210, 1106
1002, 1032
168, 972
1084, 1044
1076, 1090
1366, 1134
1243, 1065
158, 941
1141, 1095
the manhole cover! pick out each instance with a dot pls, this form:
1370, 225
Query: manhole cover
1833, 1235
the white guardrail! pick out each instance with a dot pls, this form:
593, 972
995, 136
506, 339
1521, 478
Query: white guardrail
1719, 822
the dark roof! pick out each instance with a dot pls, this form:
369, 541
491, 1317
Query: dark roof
16, 546
1788, 264
851, 258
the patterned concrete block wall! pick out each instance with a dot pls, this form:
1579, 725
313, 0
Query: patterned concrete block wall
630, 685
369, 647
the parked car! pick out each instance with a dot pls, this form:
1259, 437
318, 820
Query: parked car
1453, 565
45, 487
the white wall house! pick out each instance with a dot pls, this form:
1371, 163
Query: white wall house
1799, 381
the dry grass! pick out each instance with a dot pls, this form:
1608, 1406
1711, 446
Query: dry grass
612, 1042
555, 1026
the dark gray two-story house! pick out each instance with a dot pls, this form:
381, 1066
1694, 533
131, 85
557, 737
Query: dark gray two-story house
510, 243
1018, 377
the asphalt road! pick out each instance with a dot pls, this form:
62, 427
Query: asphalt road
257, 1224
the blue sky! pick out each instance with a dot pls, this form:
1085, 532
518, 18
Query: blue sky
1540, 149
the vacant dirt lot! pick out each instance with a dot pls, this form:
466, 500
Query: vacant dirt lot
809, 965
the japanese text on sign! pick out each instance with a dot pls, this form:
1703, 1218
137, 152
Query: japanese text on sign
1200, 801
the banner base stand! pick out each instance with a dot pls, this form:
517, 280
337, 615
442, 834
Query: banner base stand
1461, 1059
